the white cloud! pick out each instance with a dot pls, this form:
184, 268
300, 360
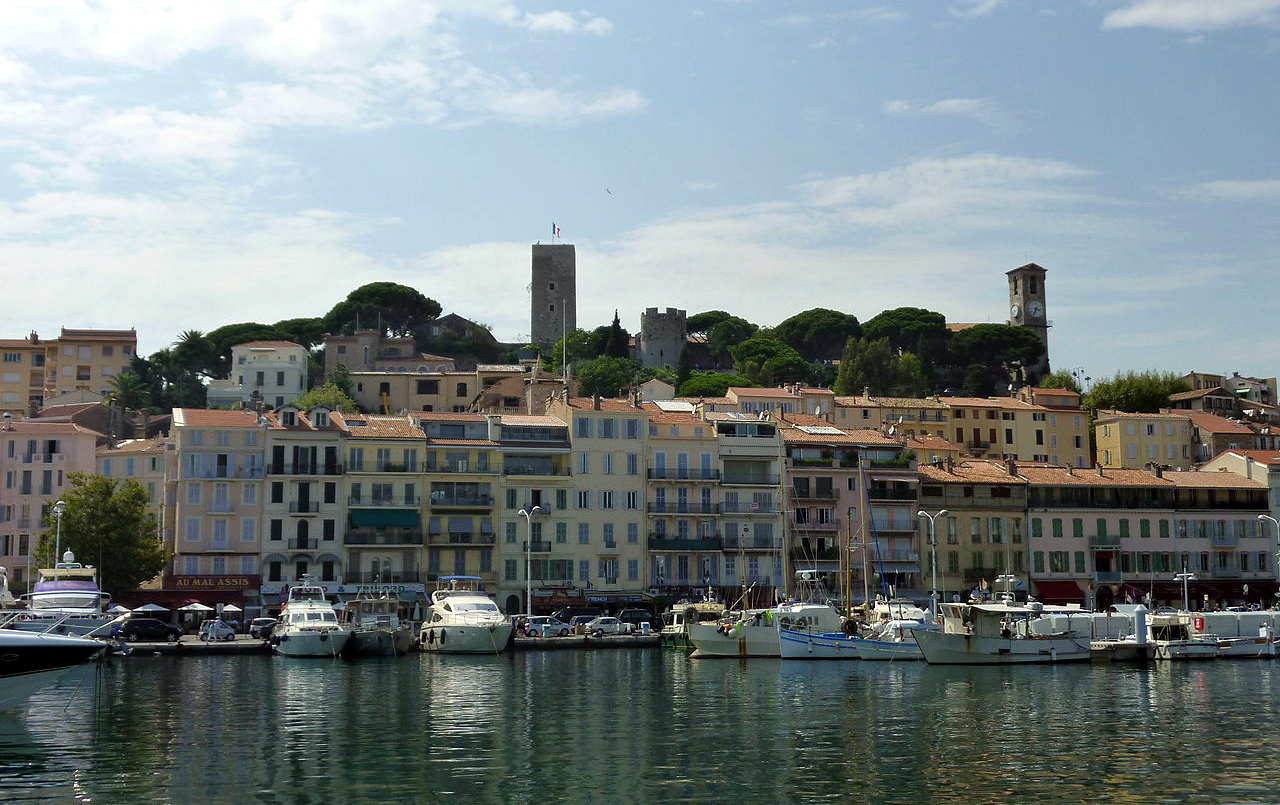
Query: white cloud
1193, 15
975, 8
566, 23
983, 110
1235, 190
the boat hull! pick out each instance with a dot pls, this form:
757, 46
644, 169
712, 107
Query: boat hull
380, 642
1247, 647
75, 625
943, 648
795, 645
738, 640
1185, 650
888, 650
29, 663
313, 644
454, 639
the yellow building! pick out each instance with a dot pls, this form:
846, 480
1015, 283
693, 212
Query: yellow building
1008, 428
144, 461
909, 416
33, 370
21, 375
983, 533
1132, 441
390, 392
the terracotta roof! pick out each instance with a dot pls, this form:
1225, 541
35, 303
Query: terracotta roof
134, 446
522, 419
1271, 457
1198, 393
67, 409
369, 426
20, 343
970, 471
268, 344
462, 442
743, 391
1212, 480
816, 391
931, 443
211, 418
660, 417
1058, 392
97, 335
860, 438
1217, 424
707, 400
35, 427
588, 404
991, 402
1063, 476
803, 419
1109, 415
302, 419
859, 401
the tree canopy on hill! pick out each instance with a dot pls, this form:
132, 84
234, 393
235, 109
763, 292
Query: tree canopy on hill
703, 322
397, 309
1134, 392
818, 334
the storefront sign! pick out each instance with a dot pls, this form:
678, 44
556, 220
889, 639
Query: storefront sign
277, 587
211, 583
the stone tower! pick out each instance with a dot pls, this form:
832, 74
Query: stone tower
1027, 307
554, 309
662, 337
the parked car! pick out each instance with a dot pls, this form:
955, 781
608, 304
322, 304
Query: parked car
216, 629
546, 626
635, 617
599, 627
567, 614
148, 630
578, 622
260, 628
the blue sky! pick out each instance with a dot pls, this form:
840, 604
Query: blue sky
170, 165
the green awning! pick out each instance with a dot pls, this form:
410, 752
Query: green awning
389, 518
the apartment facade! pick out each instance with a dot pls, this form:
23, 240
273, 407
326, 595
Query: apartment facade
33, 370
145, 461
36, 459
1012, 429
274, 372
1131, 441
390, 392
908, 416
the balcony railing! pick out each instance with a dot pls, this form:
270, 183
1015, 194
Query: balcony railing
304, 469
550, 471
296, 507
1107, 576
219, 508
813, 494
303, 543
978, 445
750, 480
455, 538
462, 467
741, 507
537, 547
385, 577
454, 501
362, 502
1225, 540
751, 544
812, 526
394, 467
1104, 541
881, 493
383, 536
676, 543
678, 507
682, 474
222, 472
43, 458
895, 556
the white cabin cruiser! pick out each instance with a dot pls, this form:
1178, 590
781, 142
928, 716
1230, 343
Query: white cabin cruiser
998, 634
66, 597
308, 625
1171, 638
675, 621
756, 632
376, 628
463, 620
29, 662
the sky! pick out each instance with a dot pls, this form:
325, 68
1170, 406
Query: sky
175, 165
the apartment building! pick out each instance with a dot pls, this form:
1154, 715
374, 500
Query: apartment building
1262, 466
273, 372
752, 504
908, 416
1132, 441
217, 507
983, 534
449, 392
36, 459
1012, 429
372, 350
1212, 434
33, 370
146, 462
21, 375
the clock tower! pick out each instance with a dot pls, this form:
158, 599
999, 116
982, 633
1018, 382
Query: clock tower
1027, 307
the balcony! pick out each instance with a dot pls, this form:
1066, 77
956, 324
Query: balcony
812, 526
305, 469
241, 473
537, 547
385, 577
456, 538
803, 554
813, 494
669, 543
1107, 576
549, 472
895, 556
393, 467
463, 467
685, 507
978, 445
43, 458
682, 474
751, 544
892, 527
884, 493
1107, 541
1225, 540
383, 536
462, 502
401, 502
748, 508
219, 508
304, 543
749, 480
296, 507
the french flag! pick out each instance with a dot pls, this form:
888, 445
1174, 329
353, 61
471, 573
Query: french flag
555, 230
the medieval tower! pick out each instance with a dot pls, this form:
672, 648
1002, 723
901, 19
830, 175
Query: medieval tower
662, 338
1027, 308
554, 293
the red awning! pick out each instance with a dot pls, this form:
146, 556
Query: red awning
1054, 591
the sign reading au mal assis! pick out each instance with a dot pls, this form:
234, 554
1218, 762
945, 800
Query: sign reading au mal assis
220, 583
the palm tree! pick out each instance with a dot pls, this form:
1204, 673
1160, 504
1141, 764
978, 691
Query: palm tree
127, 392
195, 353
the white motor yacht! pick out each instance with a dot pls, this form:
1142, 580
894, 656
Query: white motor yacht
675, 621
998, 634
308, 625
376, 628
1171, 638
66, 598
463, 620
29, 662
755, 632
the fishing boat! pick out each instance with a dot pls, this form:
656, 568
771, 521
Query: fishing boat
675, 621
1171, 638
894, 640
66, 598
998, 634
755, 632
376, 628
308, 624
30, 662
463, 620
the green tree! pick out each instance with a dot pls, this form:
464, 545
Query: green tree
618, 343
711, 384
818, 334
194, 353
907, 328
978, 380
575, 346
683, 368
909, 376
128, 391
997, 344
606, 376
109, 523
397, 309
1061, 379
1134, 392
769, 361
727, 334
866, 365
340, 378
330, 396
305, 331
703, 322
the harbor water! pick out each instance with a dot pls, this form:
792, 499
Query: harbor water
642, 726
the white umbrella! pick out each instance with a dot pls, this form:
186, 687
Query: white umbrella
119, 608
232, 608
195, 608
340, 605
151, 608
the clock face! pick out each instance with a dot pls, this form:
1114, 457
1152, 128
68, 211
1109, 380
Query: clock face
1013, 311
1035, 308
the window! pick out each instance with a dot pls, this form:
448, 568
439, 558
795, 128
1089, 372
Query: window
248, 530
511, 499
1144, 528
462, 390
193, 529
1077, 527
583, 428
584, 569
1164, 528
633, 463
633, 533
510, 532
633, 499
428, 386
632, 429
509, 570
584, 534
952, 539
193, 494
608, 464
562, 499
633, 570
584, 499
606, 500
1038, 561
608, 428
584, 463
1057, 561
975, 530
277, 529
192, 565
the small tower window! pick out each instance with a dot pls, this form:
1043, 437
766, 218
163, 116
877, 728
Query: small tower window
551, 286
552, 308
1031, 285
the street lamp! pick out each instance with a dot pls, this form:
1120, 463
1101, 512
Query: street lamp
1185, 577
1276, 525
933, 541
528, 514
1009, 580
59, 509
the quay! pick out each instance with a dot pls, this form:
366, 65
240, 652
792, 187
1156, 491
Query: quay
192, 646
584, 642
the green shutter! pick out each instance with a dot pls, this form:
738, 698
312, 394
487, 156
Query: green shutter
1039, 560
1144, 527
1057, 527
393, 518
1164, 528
1124, 526
1077, 527
1037, 530
1102, 527
1080, 562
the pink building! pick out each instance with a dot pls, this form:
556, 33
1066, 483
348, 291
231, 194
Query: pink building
35, 460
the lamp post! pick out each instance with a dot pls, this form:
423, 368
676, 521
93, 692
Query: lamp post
528, 514
933, 542
59, 509
1276, 525
1185, 577
1009, 580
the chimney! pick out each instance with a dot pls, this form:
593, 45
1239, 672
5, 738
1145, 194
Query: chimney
595, 402
951, 464
1071, 471
1101, 474
1012, 466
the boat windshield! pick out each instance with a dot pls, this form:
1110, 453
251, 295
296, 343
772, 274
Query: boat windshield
464, 606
